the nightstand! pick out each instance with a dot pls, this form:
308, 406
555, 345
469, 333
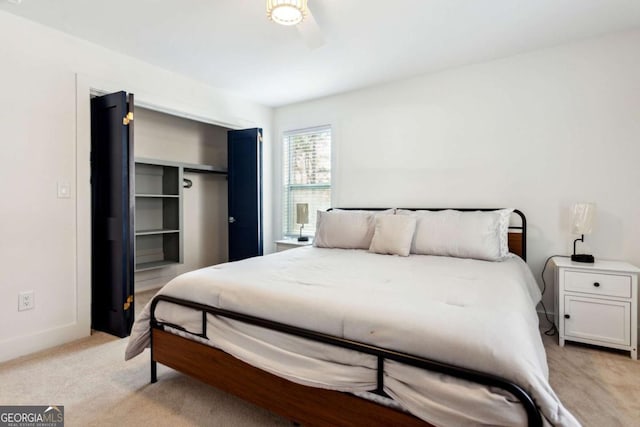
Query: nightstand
283, 245
597, 303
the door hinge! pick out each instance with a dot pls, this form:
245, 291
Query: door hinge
128, 118
128, 302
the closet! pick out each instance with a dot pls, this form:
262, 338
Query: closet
193, 199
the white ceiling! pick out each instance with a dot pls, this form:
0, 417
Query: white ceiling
230, 44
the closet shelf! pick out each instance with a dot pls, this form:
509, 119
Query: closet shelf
158, 215
154, 264
204, 169
157, 231
169, 196
187, 167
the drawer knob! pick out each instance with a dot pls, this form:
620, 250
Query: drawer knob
566, 316
596, 284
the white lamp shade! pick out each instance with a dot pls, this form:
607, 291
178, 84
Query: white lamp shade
583, 218
302, 213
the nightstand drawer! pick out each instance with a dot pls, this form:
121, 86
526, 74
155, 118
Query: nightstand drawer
598, 284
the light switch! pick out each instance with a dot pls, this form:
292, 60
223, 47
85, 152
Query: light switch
64, 190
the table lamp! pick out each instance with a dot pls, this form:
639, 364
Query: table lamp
583, 219
302, 218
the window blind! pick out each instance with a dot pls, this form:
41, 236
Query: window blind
306, 176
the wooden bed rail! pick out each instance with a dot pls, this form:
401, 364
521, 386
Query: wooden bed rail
304, 405
533, 415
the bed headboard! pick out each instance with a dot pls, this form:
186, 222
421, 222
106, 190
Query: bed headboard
517, 232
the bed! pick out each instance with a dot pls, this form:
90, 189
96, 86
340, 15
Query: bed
334, 337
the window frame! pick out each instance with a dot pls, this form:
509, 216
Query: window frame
286, 186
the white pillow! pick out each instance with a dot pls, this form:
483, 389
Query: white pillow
472, 234
503, 230
393, 235
346, 229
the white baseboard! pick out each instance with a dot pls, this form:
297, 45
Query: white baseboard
23, 345
543, 322
20, 346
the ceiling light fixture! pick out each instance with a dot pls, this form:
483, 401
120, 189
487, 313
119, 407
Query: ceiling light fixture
287, 12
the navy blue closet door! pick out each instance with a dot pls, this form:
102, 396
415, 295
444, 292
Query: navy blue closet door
112, 233
245, 193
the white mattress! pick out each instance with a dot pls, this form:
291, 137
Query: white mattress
475, 314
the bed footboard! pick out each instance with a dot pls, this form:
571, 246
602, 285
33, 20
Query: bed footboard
230, 374
308, 406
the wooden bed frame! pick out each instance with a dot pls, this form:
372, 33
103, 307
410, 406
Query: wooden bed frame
305, 405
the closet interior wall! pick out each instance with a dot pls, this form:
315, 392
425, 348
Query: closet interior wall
205, 241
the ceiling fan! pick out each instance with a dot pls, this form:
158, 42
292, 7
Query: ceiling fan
296, 12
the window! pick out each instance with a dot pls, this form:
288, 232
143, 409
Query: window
306, 176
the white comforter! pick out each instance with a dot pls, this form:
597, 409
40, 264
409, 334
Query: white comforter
475, 314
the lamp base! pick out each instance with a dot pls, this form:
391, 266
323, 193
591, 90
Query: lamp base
583, 258
303, 239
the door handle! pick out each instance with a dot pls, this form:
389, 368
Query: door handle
567, 316
231, 220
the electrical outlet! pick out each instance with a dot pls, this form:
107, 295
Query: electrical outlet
26, 301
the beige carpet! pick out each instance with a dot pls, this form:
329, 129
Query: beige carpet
97, 388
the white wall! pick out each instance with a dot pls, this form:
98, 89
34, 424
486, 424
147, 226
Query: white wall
45, 81
537, 131
205, 239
